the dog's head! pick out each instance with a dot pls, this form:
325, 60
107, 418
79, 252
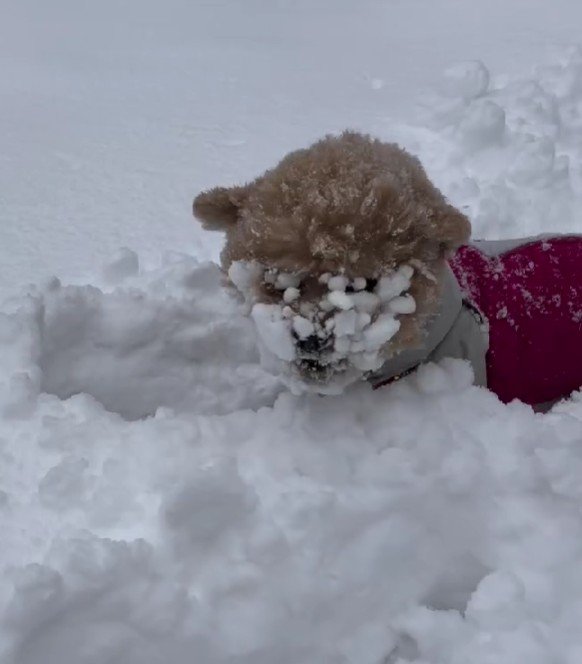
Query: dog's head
339, 250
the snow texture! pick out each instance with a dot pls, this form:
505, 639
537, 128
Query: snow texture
163, 497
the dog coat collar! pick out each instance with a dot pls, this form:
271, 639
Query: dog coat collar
395, 378
457, 329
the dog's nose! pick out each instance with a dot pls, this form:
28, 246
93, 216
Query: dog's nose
312, 369
311, 344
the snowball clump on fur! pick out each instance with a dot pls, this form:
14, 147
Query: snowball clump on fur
362, 322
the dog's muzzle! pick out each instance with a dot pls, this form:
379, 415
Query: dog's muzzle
328, 334
313, 357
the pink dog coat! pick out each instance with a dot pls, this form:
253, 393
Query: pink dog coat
530, 292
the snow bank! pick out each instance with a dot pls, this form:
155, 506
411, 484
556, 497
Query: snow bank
508, 150
183, 505
163, 499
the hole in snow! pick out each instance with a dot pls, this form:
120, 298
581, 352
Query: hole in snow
454, 587
181, 345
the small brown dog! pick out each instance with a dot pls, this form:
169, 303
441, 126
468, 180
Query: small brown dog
340, 251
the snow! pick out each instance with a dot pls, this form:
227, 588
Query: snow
273, 331
391, 286
359, 283
285, 280
340, 300
339, 283
466, 80
244, 275
402, 305
380, 331
163, 496
303, 327
290, 295
124, 264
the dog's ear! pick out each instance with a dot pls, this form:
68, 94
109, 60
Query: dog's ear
218, 208
453, 229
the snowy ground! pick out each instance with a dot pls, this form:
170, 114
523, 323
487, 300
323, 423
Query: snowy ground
162, 498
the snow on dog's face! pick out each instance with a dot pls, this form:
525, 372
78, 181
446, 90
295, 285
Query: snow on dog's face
323, 246
321, 333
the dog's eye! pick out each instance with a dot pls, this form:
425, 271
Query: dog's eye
371, 285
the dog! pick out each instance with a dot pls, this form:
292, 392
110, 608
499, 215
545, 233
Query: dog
354, 266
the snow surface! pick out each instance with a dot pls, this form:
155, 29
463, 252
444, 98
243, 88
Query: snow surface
162, 497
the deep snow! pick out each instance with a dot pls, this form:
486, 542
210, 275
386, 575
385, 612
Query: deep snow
162, 497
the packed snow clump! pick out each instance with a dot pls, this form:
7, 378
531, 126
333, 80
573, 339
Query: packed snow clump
323, 344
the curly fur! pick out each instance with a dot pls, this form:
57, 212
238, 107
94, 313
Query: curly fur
348, 204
